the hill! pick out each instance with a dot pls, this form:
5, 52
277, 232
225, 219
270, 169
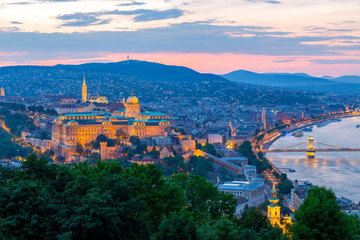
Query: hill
149, 71
276, 79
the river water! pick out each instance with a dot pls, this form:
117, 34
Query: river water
337, 170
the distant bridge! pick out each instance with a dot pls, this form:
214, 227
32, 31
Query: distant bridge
311, 146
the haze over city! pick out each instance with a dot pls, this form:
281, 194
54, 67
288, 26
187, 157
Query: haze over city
315, 37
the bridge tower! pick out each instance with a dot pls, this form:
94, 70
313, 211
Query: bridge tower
310, 149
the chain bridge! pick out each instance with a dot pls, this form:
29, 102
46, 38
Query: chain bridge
312, 146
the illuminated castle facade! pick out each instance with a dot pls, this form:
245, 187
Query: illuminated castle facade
72, 128
86, 97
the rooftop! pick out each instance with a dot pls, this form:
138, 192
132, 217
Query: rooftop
147, 113
240, 185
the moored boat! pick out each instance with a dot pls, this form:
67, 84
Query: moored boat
298, 134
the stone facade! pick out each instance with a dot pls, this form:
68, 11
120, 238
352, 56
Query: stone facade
83, 128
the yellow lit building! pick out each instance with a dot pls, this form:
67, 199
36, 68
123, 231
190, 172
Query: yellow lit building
2, 93
86, 97
70, 129
274, 213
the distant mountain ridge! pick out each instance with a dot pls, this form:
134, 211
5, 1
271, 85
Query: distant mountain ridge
275, 79
287, 79
147, 70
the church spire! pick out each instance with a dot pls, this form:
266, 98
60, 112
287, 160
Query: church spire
84, 91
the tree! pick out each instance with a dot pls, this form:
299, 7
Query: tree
320, 217
87, 152
120, 134
60, 159
43, 135
134, 140
154, 153
141, 148
178, 226
209, 148
101, 138
79, 149
204, 198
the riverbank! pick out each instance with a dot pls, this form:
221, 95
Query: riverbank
334, 170
269, 139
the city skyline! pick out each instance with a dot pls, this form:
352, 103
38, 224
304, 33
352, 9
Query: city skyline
319, 38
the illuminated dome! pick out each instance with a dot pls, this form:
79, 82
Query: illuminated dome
132, 99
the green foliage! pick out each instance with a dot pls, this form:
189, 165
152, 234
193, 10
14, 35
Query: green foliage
246, 150
203, 197
17, 122
79, 149
154, 153
9, 149
172, 165
141, 149
44, 135
196, 166
320, 217
40, 109
105, 201
13, 106
209, 148
178, 226
134, 140
200, 166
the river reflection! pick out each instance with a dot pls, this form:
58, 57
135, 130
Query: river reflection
338, 170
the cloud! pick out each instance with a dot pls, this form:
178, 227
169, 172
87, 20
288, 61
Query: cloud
94, 18
285, 60
336, 61
40, 1
145, 15
131, 4
82, 19
184, 37
16, 22
58, 0
273, 2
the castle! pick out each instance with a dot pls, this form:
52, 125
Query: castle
86, 97
70, 129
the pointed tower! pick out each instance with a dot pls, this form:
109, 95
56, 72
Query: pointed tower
274, 209
263, 117
84, 91
232, 130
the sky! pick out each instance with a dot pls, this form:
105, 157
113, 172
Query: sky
318, 37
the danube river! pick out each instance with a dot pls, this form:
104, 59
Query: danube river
337, 170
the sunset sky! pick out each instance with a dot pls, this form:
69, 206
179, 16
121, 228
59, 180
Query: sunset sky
318, 37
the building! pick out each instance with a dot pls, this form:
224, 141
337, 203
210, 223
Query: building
298, 194
86, 97
70, 129
214, 138
2, 92
274, 214
263, 117
253, 192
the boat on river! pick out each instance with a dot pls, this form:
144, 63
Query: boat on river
336, 120
307, 182
322, 124
308, 129
298, 134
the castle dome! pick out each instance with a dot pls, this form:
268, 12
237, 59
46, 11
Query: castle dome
132, 99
